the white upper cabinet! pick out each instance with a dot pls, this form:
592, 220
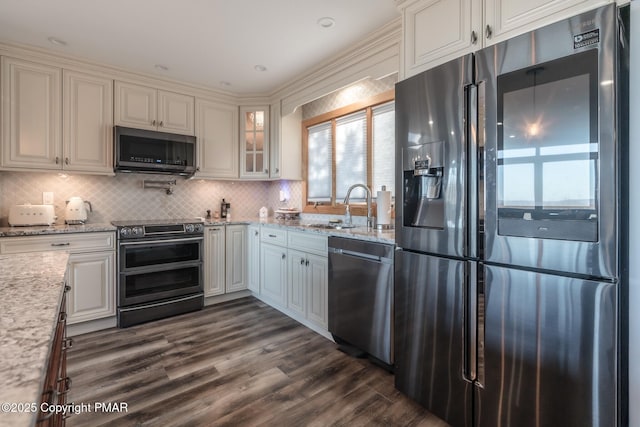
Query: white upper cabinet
55, 119
217, 140
507, 18
254, 142
436, 31
285, 148
175, 113
31, 115
88, 122
144, 107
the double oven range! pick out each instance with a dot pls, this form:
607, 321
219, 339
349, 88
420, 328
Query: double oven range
159, 269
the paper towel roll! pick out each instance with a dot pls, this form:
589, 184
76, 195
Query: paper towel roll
384, 207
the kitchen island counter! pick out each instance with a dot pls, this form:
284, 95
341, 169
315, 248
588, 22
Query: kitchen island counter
38, 230
32, 286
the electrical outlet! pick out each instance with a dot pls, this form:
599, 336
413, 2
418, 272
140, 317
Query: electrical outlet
47, 197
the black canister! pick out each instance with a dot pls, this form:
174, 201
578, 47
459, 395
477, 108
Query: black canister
224, 208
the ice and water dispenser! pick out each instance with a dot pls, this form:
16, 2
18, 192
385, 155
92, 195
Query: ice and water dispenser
423, 174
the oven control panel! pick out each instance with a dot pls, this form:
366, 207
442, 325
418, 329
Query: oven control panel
160, 230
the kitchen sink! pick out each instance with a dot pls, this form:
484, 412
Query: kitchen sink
331, 226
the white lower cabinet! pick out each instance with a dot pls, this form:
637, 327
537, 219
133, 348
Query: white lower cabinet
92, 281
214, 264
294, 273
308, 276
316, 286
253, 258
225, 259
236, 258
273, 268
91, 270
297, 278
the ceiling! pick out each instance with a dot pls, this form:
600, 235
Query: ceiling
215, 43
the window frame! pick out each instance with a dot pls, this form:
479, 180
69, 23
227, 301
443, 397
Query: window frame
335, 207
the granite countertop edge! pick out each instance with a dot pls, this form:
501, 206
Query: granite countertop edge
42, 230
32, 285
359, 232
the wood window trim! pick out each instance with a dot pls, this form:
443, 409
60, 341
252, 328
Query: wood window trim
336, 208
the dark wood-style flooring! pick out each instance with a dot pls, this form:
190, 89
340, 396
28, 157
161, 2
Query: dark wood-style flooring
240, 363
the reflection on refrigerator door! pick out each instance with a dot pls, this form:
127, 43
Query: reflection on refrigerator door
549, 355
429, 304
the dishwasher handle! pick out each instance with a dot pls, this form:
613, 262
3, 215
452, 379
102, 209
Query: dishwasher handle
360, 255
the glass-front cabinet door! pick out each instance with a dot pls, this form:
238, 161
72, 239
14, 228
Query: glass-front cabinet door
254, 146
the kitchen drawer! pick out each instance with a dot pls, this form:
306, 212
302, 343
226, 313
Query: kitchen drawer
76, 242
275, 236
307, 242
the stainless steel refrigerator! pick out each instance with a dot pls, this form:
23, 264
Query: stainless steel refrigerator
508, 222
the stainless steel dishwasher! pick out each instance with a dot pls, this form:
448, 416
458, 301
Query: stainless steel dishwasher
361, 295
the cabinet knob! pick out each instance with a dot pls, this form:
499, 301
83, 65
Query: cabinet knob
277, 170
66, 160
198, 169
57, 160
161, 124
306, 263
301, 261
488, 32
474, 37
153, 123
255, 233
283, 256
266, 171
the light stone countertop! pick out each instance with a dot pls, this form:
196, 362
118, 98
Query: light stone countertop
37, 230
32, 286
361, 232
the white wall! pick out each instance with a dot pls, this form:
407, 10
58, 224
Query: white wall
634, 228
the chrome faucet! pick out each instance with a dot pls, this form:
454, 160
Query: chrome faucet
347, 214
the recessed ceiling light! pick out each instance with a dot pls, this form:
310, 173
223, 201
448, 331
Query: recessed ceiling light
56, 41
161, 67
326, 22
260, 68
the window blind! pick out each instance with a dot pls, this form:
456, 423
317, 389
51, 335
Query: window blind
320, 167
384, 147
351, 155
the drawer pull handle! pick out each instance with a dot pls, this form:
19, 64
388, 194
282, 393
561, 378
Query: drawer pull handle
272, 235
301, 261
61, 244
67, 343
67, 288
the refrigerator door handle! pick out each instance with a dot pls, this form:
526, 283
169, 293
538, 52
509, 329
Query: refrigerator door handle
471, 124
470, 325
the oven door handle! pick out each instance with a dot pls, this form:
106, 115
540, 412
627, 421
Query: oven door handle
146, 242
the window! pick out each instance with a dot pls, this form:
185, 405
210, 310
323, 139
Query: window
355, 144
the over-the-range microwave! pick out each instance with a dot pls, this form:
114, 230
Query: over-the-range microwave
147, 151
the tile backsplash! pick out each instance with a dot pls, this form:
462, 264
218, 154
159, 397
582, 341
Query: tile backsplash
122, 197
